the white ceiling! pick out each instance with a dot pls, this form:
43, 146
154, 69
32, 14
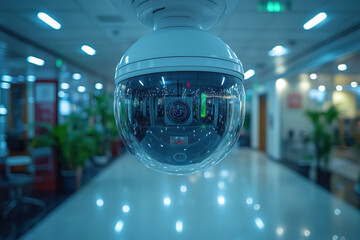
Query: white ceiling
250, 33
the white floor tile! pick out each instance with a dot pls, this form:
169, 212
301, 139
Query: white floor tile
246, 196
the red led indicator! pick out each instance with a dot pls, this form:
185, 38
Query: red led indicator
188, 85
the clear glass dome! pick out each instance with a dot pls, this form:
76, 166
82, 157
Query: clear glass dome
180, 122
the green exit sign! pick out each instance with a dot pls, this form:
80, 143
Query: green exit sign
273, 6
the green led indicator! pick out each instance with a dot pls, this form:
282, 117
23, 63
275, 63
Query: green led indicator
270, 6
59, 62
203, 105
274, 6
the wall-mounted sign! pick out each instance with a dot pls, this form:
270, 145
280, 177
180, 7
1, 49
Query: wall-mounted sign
294, 100
46, 111
45, 102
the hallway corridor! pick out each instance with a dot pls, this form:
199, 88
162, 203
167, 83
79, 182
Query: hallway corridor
246, 196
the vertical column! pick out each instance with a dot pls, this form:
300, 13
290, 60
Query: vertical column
30, 110
274, 136
254, 125
3, 113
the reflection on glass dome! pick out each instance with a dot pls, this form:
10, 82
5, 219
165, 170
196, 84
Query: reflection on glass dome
180, 122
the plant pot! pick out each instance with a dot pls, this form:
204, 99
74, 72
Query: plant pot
244, 140
300, 168
68, 181
101, 160
303, 170
323, 178
71, 180
116, 146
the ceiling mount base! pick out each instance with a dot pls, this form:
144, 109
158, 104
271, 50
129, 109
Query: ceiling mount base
158, 14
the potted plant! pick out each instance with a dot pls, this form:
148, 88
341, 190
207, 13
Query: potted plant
101, 155
105, 128
307, 155
115, 140
323, 140
74, 145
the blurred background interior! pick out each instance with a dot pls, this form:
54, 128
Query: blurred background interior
60, 152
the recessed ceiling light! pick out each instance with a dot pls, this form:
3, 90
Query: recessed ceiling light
5, 85
322, 88
88, 50
354, 84
99, 86
183, 188
119, 225
76, 76
126, 208
280, 83
179, 226
280, 231
221, 200
61, 94
315, 21
6, 78
342, 67
259, 223
81, 89
167, 201
65, 86
339, 88
249, 73
49, 20
278, 51
35, 60
3, 110
313, 76
100, 202
307, 233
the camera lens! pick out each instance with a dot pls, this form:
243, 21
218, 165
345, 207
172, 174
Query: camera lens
178, 112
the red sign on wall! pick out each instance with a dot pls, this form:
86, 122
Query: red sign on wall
46, 102
294, 100
46, 111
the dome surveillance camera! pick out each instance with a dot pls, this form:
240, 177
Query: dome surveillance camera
179, 98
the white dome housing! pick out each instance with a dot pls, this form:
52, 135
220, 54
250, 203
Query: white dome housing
179, 100
178, 49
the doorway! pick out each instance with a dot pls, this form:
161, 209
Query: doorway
262, 123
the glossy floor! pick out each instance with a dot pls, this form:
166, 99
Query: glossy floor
246, 196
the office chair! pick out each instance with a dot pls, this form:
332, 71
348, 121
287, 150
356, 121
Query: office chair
17, 181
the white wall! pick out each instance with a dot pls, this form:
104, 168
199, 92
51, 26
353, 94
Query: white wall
295, 118
273, 130
345, 103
